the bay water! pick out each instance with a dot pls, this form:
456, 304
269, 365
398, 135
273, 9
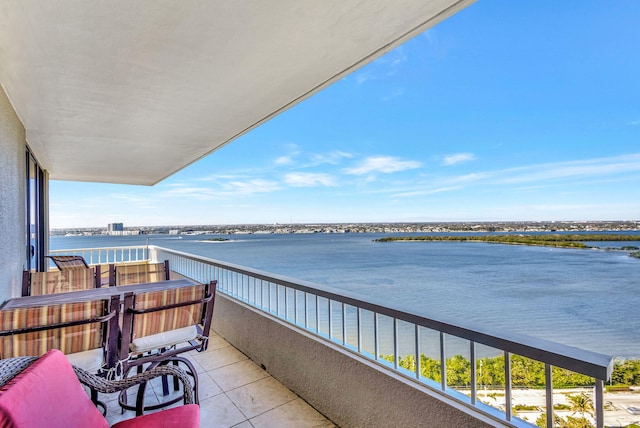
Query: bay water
584, 298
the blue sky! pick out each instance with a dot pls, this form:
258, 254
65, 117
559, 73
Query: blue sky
509, 110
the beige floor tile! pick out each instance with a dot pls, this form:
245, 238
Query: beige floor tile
216, 342
260, 396
219, 412
216, 358
294, 414
207, 387
237, 374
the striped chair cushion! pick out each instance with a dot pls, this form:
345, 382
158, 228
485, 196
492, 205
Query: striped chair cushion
67, 339
139, 273
167, 319
61, 281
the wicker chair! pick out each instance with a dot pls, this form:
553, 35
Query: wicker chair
158, 326
47, 391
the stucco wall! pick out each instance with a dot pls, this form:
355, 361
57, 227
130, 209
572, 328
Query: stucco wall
348, 390
12, 200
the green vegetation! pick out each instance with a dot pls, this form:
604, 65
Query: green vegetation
548, 240
525, 372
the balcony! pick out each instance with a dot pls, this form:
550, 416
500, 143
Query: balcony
234, 392
362, 363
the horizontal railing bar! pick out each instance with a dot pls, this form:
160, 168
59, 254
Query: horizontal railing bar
586, 362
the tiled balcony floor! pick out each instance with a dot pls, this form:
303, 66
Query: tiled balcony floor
234, 392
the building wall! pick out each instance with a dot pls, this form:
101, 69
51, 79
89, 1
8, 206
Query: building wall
12, 200
349, 390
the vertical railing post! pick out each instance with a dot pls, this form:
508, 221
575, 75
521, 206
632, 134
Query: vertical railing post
507, 385
472, 357
396, 345
417, 345
599, 404
443, 363
548, 379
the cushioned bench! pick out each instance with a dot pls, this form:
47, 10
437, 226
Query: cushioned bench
48, 393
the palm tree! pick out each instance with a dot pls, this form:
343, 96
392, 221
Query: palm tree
581, 403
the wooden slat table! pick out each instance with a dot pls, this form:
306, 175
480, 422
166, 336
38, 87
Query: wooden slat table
93, 294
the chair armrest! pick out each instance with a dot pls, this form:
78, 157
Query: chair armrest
107, 386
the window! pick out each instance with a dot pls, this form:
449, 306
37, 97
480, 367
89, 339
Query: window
35, 209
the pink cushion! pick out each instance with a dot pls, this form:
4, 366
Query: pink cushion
48, 393
183, 416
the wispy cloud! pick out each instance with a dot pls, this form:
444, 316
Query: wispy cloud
283, 160
253, 186
397, 93
425, 192
456, 158
332, 158
383, 164
307, 179
571, 169
634, 123
386, 66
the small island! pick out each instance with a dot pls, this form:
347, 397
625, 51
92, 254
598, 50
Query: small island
552, 240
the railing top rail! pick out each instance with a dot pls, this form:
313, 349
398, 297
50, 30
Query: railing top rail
79, 250
583, 361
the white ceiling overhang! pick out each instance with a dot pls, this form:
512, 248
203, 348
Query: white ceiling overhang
131, 92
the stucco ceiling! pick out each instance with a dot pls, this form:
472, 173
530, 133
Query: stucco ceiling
131, 92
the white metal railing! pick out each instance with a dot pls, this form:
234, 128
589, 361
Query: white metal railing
105, 255
395, 338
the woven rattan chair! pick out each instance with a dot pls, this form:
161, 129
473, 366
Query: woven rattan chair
86, 332
138, 273
158, 326
47, 391
57, 281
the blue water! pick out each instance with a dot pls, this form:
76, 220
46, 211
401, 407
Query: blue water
584, 298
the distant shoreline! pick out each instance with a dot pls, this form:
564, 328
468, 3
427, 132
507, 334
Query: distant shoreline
380, 227
553, 240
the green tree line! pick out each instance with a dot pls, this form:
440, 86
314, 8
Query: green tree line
549, 240
525, 372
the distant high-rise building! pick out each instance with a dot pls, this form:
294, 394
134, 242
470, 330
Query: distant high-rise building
115, 227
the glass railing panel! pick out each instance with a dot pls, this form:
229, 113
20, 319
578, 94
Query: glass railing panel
300, 308
323, 316
529, 390
311, 313
490, 377
352, 327
458, 366
367, 333
429, 350
406, 347
290, 304
336, 321
385, 340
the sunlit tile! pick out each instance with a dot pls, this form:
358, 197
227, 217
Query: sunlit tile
237, 374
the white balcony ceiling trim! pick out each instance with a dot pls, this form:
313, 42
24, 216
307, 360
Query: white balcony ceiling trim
133, 91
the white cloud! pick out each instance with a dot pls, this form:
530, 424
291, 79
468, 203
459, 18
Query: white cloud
384, 164
425, 192
331, 158
456, 158
572, 169
253, 186
634, 123
284, 160
306, 179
